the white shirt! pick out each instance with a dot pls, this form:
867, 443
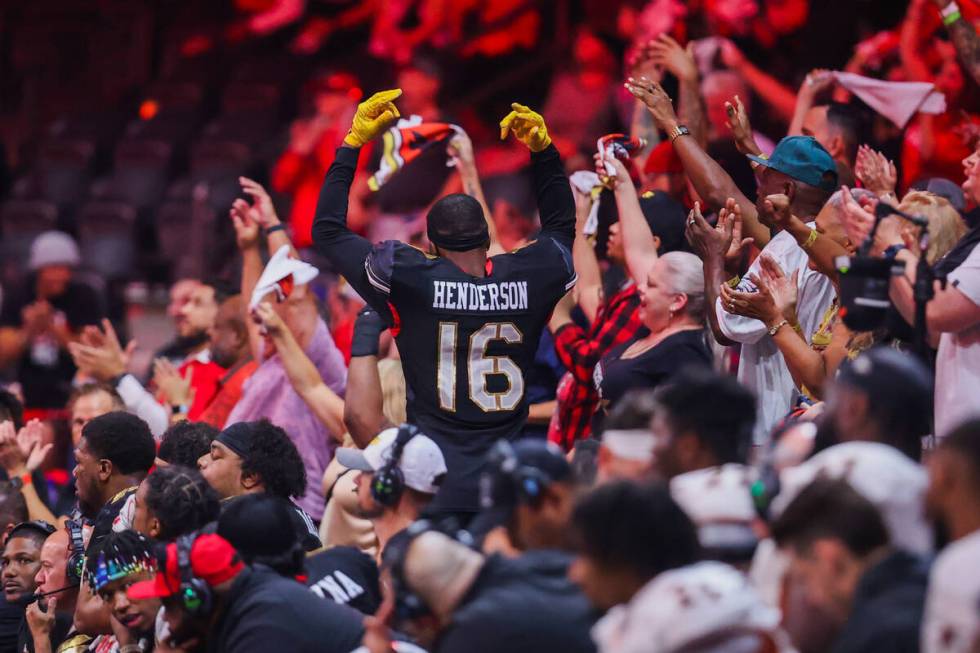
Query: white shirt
951, 623
958, 360
761, 366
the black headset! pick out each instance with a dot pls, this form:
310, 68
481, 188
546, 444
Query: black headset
76, 560
408, 604
520, 483
195, 594
389, 481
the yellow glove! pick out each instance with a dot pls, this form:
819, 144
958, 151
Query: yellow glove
373, 116
527, 125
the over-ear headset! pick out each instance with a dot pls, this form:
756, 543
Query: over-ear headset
195, 594
508, 481
408, 604
389, 481
76, 559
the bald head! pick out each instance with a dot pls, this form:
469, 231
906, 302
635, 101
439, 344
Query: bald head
441, 571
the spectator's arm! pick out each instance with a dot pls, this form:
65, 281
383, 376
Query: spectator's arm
302, 374
767, 87
21, 454
950, 310
967, 43
13, 342
667, 52
710, 180
638, 243
365, 417
815, 83
144, 405
588, 290
913, 42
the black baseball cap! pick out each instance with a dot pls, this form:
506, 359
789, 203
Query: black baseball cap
517, 471
667, 220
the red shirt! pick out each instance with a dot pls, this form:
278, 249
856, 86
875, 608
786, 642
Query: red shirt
205, 379
229, 392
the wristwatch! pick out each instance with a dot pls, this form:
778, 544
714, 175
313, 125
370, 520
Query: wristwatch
678, 130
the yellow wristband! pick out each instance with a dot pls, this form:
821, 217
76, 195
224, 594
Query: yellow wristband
733, 282
812, 238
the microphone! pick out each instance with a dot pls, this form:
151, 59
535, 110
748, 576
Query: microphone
37, 596
883, 210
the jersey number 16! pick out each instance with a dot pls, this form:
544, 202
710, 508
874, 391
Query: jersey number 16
479, 366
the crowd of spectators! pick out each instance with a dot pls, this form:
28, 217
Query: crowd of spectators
696, 375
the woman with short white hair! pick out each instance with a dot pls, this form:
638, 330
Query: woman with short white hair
672, 306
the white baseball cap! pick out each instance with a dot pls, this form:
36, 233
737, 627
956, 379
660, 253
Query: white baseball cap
719, 502
53, 248
421, 463
883, 475
706, 600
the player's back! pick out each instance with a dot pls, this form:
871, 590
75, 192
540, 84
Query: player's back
466, 343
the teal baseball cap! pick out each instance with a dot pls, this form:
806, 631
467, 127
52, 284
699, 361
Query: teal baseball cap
803, 159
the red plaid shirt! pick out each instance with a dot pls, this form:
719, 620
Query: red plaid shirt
617, 321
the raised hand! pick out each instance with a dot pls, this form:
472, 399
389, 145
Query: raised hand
29, 441
619, 170
738, 122
460, 150
657, 101
817, 81
246, 220
876, 171
667, 52
263, 210
12, 459
269, 319
527, 125
374, 115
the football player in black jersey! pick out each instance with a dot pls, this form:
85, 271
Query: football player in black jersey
467, 325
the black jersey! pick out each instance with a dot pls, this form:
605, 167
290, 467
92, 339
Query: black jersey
465, 342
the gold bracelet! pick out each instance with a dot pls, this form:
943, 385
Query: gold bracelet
812, 238
773, 330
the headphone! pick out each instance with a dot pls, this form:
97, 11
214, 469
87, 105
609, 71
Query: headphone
195, 594
389, 481
408, 604
522, 483
76, 560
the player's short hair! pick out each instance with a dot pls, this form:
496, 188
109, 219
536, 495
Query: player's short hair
456, 222
123, 439
185, 442
634, 526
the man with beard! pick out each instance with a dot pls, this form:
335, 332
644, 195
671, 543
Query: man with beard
229, 350
402, 453
111, 566
21, 562
115, 453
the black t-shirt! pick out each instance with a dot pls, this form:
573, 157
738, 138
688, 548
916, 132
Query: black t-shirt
345, 575
59, 633
102, 525
267, 612
523, 605
45, 370
466, 342
615, 376
303, 525
11, 616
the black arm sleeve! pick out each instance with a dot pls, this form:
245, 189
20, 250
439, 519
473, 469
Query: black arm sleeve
555, 202
345, 250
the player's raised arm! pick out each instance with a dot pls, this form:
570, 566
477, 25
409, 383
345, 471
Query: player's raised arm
345, 249
555, 202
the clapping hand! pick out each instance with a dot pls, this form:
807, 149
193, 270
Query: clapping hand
99, 353
876, 171
177, 390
